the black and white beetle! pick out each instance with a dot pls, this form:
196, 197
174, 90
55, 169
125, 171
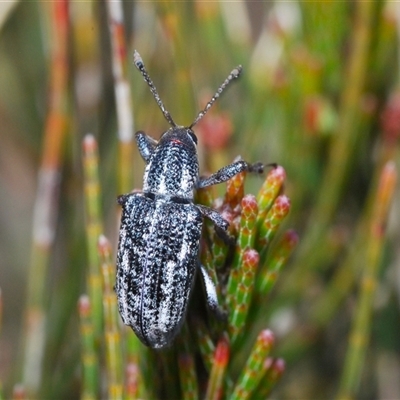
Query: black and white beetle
160, 229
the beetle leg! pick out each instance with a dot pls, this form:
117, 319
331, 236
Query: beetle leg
211, 294
221, 225
229, 172
145, 144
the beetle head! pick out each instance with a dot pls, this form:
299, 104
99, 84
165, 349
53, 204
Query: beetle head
181, 135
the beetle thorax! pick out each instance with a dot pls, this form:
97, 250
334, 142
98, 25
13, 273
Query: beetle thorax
173, 168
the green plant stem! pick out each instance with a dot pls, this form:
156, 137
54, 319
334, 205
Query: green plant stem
360, 331
244, 243
94, 228
240, 304
46, 202
253, 371
271, 224
216, 380
268, 192
90, 363
344, 142
205, 344
112, 332
278, 259
273, 372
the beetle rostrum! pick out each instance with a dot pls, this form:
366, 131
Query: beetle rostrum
159, 239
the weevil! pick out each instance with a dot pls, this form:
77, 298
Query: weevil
159, 239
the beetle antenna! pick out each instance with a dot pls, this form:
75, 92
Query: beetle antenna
235, 73
140, 66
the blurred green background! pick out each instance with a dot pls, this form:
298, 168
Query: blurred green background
319, 96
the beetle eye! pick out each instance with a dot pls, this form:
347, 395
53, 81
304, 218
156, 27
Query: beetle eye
193, 137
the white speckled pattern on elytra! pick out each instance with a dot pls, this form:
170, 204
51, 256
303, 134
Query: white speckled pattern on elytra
156, 266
